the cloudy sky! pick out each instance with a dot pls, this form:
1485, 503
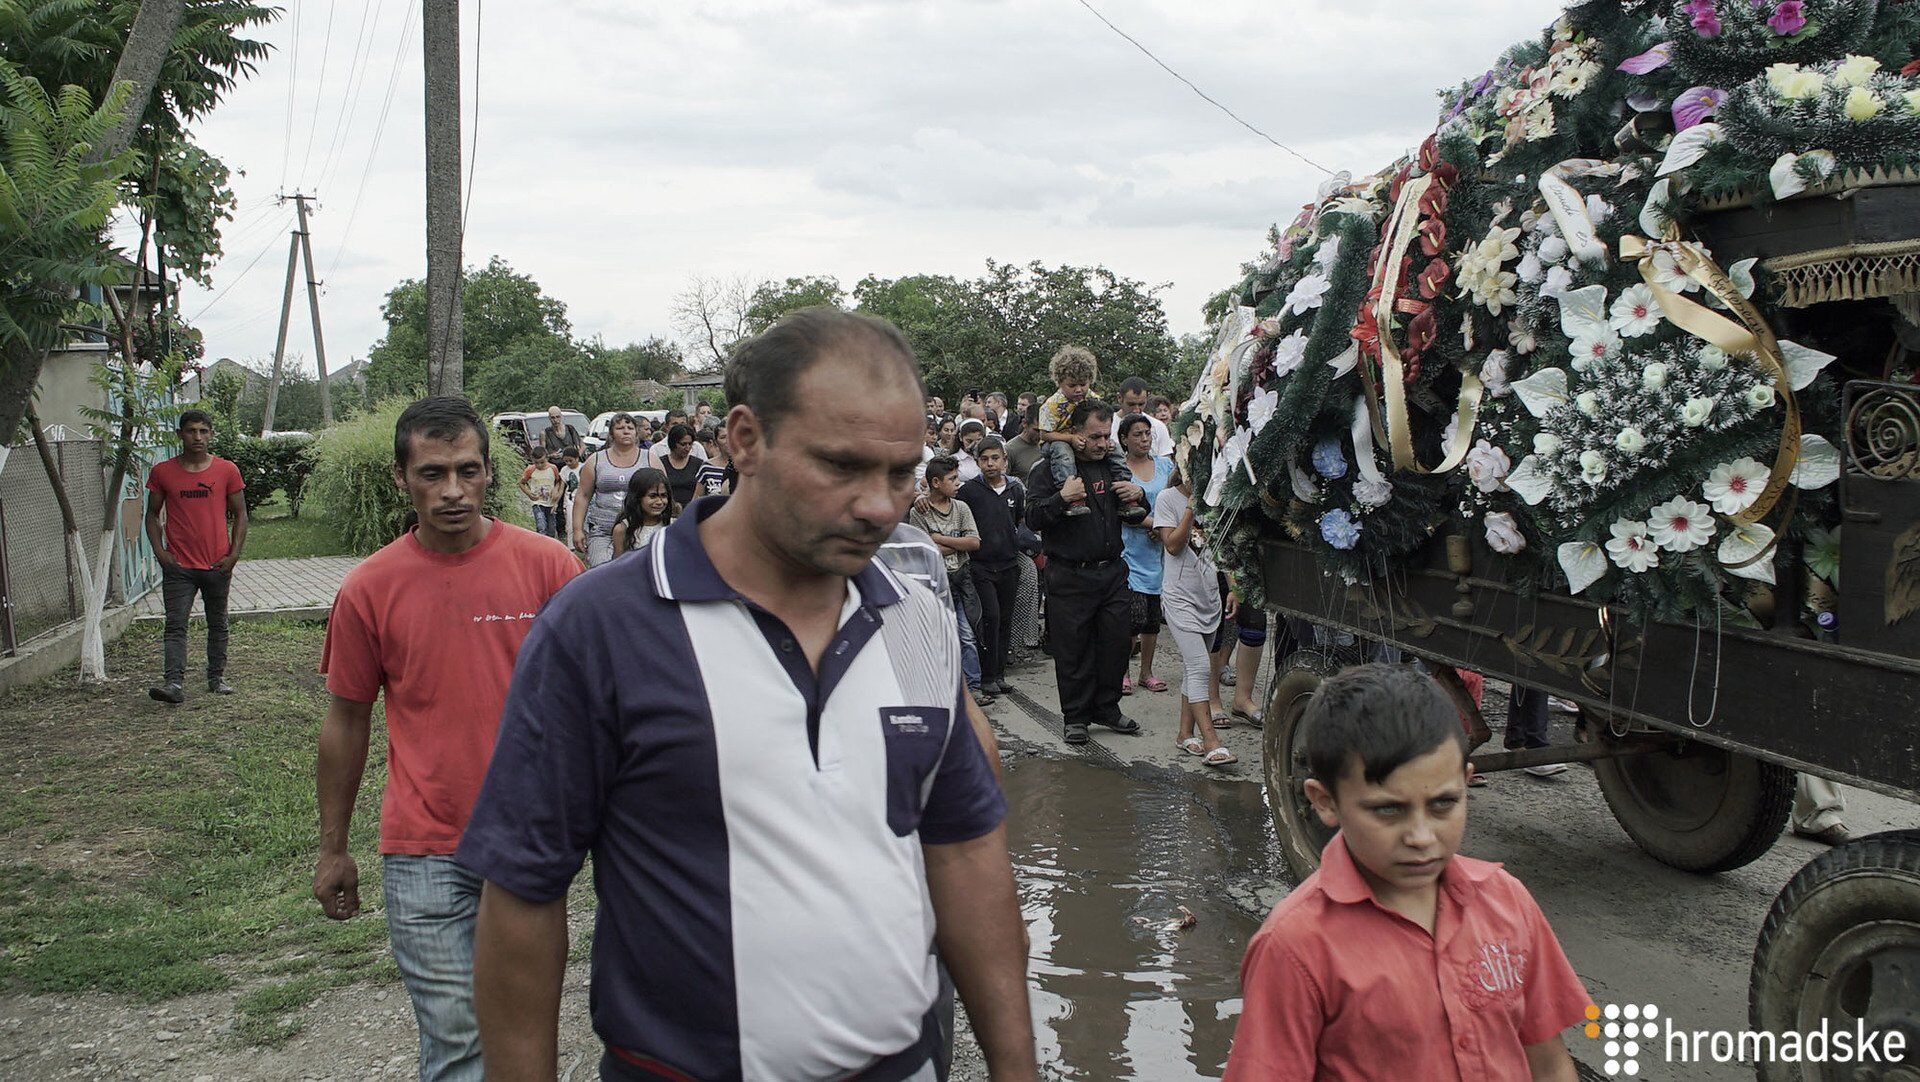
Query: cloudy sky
624, 147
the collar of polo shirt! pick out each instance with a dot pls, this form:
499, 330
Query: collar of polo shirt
682, 571
1341, 881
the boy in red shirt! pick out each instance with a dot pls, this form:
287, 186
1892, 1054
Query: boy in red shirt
435, 620
1340, 983
197, 548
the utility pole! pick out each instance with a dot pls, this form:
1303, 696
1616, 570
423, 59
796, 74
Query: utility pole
440, 37
301, 245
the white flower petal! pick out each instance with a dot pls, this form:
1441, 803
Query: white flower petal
1583, 312
1542, 391
1741, 544
1584, 563
1819, 464
1346, 361
1803, 363
1690, 146
1527, 479
1652, 222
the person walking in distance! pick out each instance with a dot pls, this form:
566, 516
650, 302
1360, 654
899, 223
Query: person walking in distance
198, 544
1073, 370
676, 460
999, 505
950, 523
648, 510
791, 821
1144, 557
604, 479
559, 435
433, 621
1088, 611
540, 484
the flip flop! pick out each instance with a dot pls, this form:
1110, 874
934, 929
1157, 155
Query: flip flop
1193, 745
1255, 719
1126, 685
1154, 683
1221, 721
1219, 757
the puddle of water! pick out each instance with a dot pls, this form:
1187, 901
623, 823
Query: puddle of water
1093, 848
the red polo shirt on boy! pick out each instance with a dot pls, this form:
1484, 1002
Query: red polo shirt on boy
1337, 986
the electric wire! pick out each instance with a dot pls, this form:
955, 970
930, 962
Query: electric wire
319, 92
350, 98
254, 262
380, 126
1203, 94
293, 82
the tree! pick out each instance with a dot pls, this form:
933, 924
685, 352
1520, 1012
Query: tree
296, 408
771, 300
655, 359
499, 307
711, 315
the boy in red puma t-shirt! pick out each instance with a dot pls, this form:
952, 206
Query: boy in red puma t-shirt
197, 547
1340, 983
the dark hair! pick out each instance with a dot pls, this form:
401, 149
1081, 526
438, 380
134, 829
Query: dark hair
638, 485
618, 417
941, 465
570, 452
1384, 715
1033, 412
676, 412
1088, 409
991, 395
1131, 419
708, 433
1154, 402
674, 434
441, 417
188, 417
989, 443
764, 370
1134, 384
538, 450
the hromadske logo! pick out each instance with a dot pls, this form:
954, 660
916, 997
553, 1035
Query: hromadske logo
1637, 1033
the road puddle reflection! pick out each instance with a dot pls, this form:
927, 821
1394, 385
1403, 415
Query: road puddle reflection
1094, 848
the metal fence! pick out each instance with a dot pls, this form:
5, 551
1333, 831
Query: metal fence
39, 584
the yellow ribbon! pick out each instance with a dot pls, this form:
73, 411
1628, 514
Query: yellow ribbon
1396, 430
1750, 336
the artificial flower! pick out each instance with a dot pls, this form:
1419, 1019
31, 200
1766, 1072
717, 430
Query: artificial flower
1598, 209
1654, 376
1570, 81
1307, 293
1854, 71
1546, 444
1421, 331
1434, 278
1266, 328
1712, 358
1593, 466
1338, 529
1487, 467
1631, 548
1288, 354
1372, 494
1596, 347
1261, 409
1499, 245
1588, 402
1696, 104
1554, 250
1433, 236
1651, 60
1706, 21
1503, 533
1493, 374
1521, 338
1635, 312
1530, 269
1733, 486
1630, 440
1696, 412
1793, 82
1328, 253
1329, 460
1668, 275
1539, 123
1863, 104
1559, 280
1912, 98
1760, 395
1789, 18
1680, 525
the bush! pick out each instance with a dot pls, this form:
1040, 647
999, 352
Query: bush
269, 464
353, 485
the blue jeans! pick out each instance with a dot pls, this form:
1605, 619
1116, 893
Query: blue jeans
543, 520
969, 649
431, 907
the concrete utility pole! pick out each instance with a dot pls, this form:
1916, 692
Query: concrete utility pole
280, 345
313, 309
440, 37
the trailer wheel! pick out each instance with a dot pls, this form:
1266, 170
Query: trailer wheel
1841, 944
1283, 755
1698, 808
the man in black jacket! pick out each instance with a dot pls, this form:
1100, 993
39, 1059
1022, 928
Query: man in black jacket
1088, 617
999, 504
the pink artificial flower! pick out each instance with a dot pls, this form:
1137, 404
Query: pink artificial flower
1697, 104
1789, 17
1651, 60
1706, 21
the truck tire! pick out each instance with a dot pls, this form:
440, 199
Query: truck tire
1842, 944
1283, 758
1698, 808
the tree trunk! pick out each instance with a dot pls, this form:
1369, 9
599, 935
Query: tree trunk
93, 656
441, 39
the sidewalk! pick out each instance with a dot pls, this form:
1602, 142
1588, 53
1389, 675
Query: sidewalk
271, 586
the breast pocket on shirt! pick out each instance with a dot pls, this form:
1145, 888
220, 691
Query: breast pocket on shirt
914, 737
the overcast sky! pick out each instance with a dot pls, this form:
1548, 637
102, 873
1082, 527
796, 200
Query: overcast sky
624, 146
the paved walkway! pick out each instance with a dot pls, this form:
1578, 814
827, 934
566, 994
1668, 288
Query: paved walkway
271, 585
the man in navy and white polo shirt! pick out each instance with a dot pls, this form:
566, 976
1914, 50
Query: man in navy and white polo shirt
758, 732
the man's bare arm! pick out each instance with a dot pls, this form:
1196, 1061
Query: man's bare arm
154, 536
343, 759
983, 942
236, 530
519, 961
1549, 1061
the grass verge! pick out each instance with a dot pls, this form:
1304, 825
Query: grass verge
273, 534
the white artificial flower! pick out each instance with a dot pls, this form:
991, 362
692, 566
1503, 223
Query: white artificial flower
1760, 396
1546, 444
1598, 209
1487, 467
1261, 409
1493, 373
1328, 253
1521, 339
1587, 402
1670, 277
1596, 347
1630, 440
1308, 292
1593, 466
1540, 122
1531, 270
1733, 486
1654, 376
1547, 226
1559, 280
1289, 353
1713, 358
1697, 411
1680, 525
1372, 494
1635, 312
1503, 533
1554, 250
1631, 548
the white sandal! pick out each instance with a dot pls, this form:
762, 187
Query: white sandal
1220, 757
1193, 745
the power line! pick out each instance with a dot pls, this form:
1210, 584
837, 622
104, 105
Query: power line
236, 279
1203, 94
293, 80
350, 98
380, 127
473, 143
319, 91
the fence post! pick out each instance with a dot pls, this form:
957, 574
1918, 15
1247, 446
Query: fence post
8, 640
66, 546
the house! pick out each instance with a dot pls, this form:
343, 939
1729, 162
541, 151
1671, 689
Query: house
66, 379
691, 386
650, 390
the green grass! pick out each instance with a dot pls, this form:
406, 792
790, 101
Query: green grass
152, 852
272, 534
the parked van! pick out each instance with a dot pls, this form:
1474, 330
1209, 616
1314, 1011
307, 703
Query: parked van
524, 430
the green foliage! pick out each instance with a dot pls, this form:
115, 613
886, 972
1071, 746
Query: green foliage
772, 300
353, 485
295, 409
221, 398
188, 204
268, 464
656, 358
499, 310
997, 332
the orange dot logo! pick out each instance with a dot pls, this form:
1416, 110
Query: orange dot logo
1593, 1021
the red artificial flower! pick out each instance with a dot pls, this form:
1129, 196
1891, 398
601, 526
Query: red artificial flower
1433, 236
1366, 333
1912, 68
1435, 278
1433, 203
1445, 174
1421, 331
1429, 154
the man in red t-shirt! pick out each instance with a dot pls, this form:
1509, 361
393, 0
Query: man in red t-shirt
435, 620
197, 546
